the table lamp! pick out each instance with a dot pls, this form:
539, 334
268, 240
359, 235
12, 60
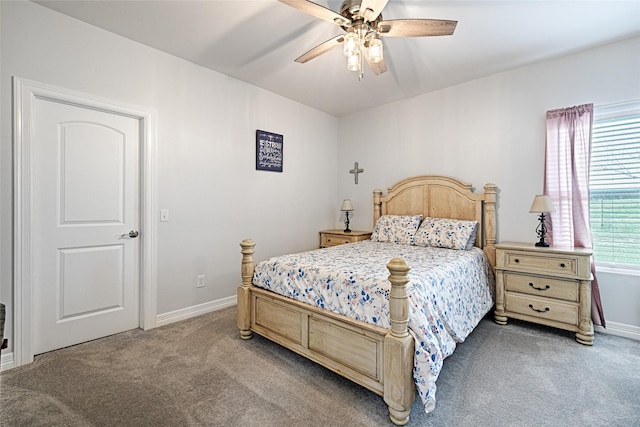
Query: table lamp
541, 204
346, 208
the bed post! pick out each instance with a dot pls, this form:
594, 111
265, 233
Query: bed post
244, 293
490, 197
377, 205
399, 388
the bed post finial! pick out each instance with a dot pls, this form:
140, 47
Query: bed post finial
377, 205
490, 198
399, 299
244, 294
399, 389
247, 251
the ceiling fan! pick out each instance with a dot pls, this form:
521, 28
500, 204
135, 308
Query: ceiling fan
363, 25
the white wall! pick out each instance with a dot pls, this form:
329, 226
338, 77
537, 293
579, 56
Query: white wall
491, 130
206, 151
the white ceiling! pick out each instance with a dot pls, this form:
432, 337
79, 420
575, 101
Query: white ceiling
257, 41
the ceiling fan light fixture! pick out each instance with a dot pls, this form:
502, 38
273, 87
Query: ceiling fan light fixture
350, 44
363, 24
353, 61
376, 54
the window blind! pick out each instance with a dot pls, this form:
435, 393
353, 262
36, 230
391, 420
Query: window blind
614, 187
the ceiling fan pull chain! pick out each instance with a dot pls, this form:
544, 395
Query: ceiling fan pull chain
361, 75
361, 35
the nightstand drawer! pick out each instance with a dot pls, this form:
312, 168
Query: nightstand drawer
565, 265
545, 287
333, 240
339, 237
542, 308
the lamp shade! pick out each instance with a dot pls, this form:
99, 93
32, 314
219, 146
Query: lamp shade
350, 44
541, 204
346, 205
375, 50
353, 61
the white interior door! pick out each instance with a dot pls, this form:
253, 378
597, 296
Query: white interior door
85, 267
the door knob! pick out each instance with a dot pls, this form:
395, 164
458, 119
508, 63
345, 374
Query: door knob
133, 234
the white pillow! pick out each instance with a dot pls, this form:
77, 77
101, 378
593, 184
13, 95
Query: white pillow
396, 228
447, 233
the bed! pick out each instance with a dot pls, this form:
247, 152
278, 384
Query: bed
396, 345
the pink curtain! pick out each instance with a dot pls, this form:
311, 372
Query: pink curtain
566, 182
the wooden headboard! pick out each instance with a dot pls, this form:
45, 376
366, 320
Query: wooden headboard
442, 197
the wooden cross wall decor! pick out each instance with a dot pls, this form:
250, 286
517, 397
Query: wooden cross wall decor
355, 171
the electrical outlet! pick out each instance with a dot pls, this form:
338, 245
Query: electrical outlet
200, 281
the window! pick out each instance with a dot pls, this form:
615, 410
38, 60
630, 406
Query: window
614, 186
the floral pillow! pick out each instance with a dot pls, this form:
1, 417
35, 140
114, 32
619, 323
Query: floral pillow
447, 233
396, 228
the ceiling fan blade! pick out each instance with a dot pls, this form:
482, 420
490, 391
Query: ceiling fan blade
371, 9
318, 11
416, 27
320, 49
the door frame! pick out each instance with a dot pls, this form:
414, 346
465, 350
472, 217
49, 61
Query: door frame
25, 92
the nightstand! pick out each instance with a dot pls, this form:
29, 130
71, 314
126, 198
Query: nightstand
549, 286
339, 237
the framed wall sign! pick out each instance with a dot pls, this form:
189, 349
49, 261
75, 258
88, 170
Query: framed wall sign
269, 151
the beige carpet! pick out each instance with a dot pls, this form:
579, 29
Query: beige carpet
199, 373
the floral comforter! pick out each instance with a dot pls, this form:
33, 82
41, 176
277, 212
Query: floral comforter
449, 293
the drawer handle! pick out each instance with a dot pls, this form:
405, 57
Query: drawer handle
539, 311
539, 289
562, 264
517, 260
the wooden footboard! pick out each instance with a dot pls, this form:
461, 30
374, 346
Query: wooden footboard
376, 358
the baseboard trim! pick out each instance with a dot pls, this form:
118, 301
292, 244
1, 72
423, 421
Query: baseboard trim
193, 311
7, 362
621, 330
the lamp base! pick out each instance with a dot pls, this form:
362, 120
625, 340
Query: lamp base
541, 230
346, 223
